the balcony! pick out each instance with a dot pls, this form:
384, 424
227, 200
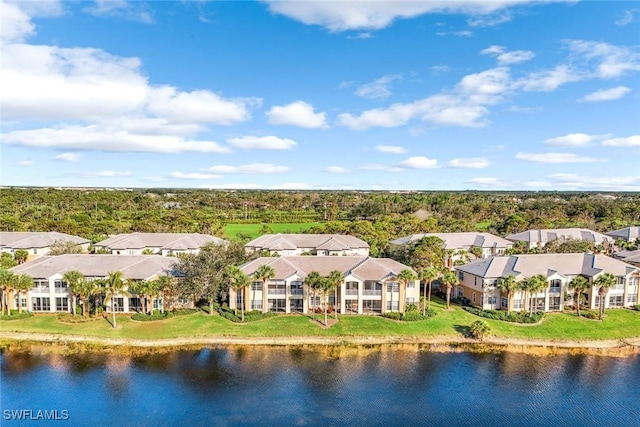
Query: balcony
351, 292
276, 292
372, 292
62, 290
296, 291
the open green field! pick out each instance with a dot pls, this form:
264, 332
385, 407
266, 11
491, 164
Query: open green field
253, 230
618, 324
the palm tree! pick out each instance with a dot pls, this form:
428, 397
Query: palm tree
264, 273
7, 286
313, 281
22, 285
335, 278
324, 286
114, 284
476, 251
238, 281
604, 282
428, 275
404, 278
480, 329
21, 256
524, 286
72, 277
537, 284
85, 288
146, 289
509, 285
579, 284
449, 279
165, 290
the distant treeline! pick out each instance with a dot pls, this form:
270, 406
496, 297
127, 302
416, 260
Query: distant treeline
375, 216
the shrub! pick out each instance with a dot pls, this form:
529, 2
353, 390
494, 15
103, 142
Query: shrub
589, 314
249, 316
479, 329
513, 317
394, 315
636, 307
15, 315
157, 315
409, 316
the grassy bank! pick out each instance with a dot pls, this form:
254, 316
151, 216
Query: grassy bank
254, 230
618, 324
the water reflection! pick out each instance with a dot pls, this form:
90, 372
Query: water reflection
322, 385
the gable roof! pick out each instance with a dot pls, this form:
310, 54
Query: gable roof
135, 267
549, 234
362, 267
36, 239
529, 265
166, 241
628, 233
336, 242
459, 240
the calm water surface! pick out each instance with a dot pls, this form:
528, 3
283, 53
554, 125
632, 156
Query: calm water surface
288, 386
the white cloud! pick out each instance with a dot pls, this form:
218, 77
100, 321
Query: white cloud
590, 182
361, 36
555, 158
489, 181
298, 113
250, 168
549, 80
490, 20
132, 11
194, 175
337, 169
379, 167
505, 57
606, 94
438, 69
68, 157
626, 142
379, 88
374, 15
262, 143
392, 149
574, 140
627, 17
25, 162
419, 162
462, 33
154, 178
107, 174
121, 137
254, 186
470, 163
610, 61
15, 17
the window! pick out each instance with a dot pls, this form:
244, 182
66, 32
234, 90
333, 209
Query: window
239, 299
277, 304
135, 304
372, 288
372, 306
256, 286
40, 304
20, 302
393, 305
620, 281
633, 281
616, 301
472, 296
411, 284
504, 302
555, 285
460, 292
62, 304
158, 304
256, 304
410, 300
492, 300
518, 304
554, 303
40, 286
296, 287
60, 287
460, 275
351, 288
277, 288
393, 287
351, 306
314, 301
295, 304
597, 300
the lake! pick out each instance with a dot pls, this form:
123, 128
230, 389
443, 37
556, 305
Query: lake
314, 386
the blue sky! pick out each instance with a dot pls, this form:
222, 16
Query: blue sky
504, 95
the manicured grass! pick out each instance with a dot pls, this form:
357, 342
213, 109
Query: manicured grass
618, 324
254, 229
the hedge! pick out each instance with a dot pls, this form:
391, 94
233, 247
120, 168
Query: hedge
513, 317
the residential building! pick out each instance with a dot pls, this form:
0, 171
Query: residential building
459, 246
51, 294
37, 243
479, 280
539, 238
164, 244
309, 244
631, 257
369, 285
629, 233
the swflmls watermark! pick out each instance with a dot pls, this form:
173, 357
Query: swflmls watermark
35, 415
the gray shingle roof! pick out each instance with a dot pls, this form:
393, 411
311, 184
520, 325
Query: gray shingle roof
628, 233
547, 235
167, 241
365, 268
320, 241
459, 240
530, 265
27, 240
136, 267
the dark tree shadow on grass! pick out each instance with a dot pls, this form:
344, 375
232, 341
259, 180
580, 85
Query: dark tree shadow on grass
465, 331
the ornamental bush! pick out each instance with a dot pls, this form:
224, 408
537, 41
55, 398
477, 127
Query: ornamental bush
513, 317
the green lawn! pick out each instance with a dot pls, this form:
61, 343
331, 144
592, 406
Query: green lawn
558, 326
254, 229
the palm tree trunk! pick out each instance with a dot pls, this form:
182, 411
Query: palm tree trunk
210, 306
113, 311
578, 303
85, 311
448, 295
335, 303
326, 305
73, 306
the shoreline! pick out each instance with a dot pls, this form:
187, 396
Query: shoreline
617, 348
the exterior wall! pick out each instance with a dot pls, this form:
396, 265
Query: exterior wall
313, 251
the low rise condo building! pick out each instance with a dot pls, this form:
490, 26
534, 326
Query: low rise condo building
629, 234
478, 281
37, 243
309, 244
369, 285
165, 244
539, 238
50, 293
